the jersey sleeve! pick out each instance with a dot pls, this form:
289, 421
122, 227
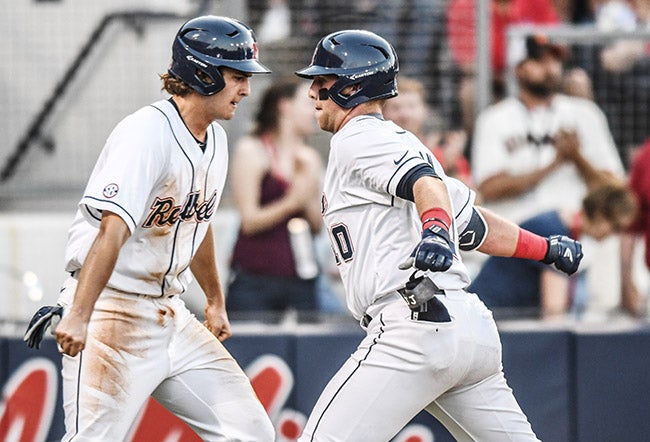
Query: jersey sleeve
124, 174
462, 200
380, 158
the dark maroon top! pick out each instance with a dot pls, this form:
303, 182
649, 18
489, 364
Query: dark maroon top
269, 252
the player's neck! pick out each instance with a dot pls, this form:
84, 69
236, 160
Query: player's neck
195, 119
368, 108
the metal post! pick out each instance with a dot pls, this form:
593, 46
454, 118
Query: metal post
483, 76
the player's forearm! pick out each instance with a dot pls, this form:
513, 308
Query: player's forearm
430, 192
204, 269
501, 239
505, 238
209, 281
99, 264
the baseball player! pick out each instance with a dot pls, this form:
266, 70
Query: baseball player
141, 232
396, 224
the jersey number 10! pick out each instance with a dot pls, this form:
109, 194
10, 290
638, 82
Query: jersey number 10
341, 239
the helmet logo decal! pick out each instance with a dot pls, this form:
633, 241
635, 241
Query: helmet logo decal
196, 61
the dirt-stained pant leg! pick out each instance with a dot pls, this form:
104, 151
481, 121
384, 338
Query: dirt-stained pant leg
105, 386
207, 388
137, 344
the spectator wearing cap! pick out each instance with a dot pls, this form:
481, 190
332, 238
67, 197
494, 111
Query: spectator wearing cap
461, 36
542, 150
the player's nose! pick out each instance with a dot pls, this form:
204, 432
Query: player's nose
313, 91
246, 87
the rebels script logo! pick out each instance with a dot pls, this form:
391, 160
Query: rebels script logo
165, 213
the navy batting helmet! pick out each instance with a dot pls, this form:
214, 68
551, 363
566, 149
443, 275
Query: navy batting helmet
207, 43
358, 58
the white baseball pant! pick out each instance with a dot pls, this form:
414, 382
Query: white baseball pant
139, 346
451, 369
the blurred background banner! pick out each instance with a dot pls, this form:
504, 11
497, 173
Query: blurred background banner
575, 385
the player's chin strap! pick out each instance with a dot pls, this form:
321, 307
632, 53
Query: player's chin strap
419, 293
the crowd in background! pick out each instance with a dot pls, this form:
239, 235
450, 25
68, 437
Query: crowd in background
563, 153
551, 157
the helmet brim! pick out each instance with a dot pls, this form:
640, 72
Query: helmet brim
247, 66
312, 71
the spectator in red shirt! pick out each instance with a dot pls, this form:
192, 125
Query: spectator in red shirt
461, 33
461, 27
632, 300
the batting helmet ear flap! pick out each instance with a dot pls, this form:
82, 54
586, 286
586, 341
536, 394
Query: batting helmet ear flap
365, 91
190, 69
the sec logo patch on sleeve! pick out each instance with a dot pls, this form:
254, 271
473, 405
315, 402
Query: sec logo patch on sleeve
111, 190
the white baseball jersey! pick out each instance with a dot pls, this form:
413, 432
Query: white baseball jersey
452, 369
372, 230
510, 138
166, 189
155, 176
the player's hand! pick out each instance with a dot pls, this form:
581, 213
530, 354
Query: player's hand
216, 320
564, 253
434, 252
71, 333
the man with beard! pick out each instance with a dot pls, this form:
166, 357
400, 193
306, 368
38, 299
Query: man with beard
540, 150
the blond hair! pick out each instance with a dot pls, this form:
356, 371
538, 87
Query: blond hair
174, 86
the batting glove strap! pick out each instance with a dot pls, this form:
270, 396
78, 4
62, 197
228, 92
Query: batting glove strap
418, 291
563, 252
39, 323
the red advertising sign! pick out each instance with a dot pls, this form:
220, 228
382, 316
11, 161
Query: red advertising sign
29, 400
